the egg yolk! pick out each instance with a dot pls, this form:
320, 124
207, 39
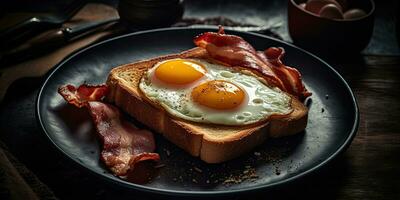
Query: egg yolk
179, 71
218, 94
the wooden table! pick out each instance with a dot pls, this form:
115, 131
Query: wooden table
369, 169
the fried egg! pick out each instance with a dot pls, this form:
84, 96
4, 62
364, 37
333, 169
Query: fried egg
200, 91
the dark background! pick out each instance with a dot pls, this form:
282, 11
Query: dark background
368, 170
258, 12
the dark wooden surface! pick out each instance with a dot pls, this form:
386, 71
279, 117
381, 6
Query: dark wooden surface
369, 169
373, 158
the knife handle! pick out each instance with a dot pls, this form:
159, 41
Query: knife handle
43, 41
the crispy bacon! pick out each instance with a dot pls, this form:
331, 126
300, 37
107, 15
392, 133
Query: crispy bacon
124, 145
84, 93
234, 51
289, 75
220, 39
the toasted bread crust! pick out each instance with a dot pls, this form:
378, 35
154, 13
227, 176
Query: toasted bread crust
212, 143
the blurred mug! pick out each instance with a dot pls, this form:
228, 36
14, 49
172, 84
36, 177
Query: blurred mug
150, 13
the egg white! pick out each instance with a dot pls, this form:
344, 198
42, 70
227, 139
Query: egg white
261, 101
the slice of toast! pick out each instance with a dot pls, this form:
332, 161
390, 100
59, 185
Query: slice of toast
212, 143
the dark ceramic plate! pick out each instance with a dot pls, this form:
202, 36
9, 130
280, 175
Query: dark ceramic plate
333, 120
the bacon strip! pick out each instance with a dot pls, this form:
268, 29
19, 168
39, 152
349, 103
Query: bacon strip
235, 51
124, 145
84, 93
289, 75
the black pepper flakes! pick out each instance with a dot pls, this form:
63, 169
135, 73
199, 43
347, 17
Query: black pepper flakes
277, 171
198, 169
167, 152
159, 166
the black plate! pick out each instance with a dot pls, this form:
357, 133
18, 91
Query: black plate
333, 119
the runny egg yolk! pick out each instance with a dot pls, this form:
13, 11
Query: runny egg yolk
218, 94
179, 71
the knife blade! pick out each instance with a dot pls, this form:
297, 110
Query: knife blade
51, 39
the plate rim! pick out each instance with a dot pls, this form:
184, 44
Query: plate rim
169, 192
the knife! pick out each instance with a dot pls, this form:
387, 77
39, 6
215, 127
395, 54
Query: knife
22, 19
51, 39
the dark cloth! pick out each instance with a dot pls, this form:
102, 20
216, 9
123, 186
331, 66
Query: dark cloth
17, 181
